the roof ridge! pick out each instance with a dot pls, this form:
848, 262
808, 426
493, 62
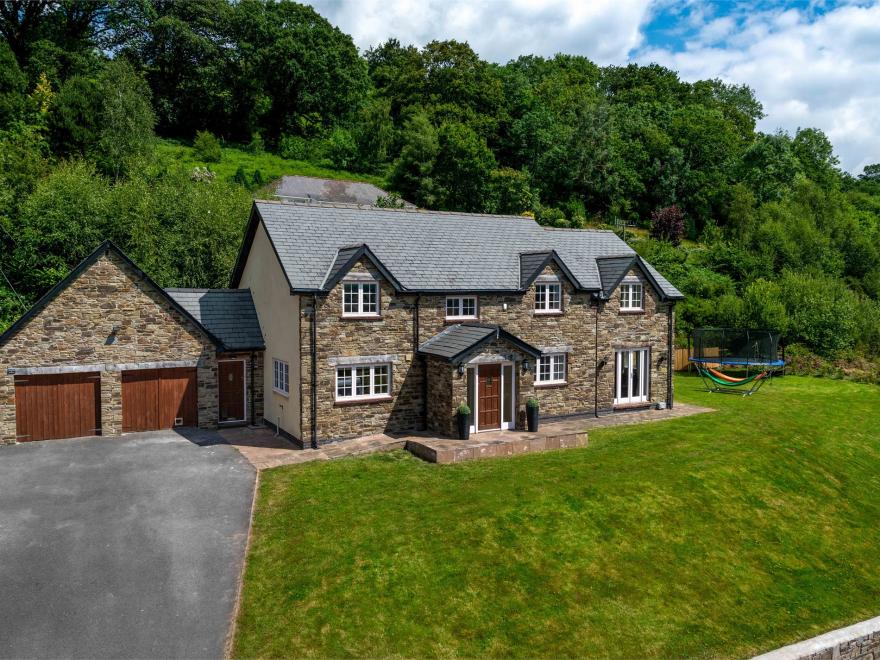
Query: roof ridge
414, 211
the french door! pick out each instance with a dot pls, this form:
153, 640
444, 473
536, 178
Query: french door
632, 375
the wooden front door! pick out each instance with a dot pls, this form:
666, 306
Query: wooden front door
489, 392
155, 399
231, 375
50, 407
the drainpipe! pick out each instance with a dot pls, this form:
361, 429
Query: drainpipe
596, 365
669, 360
253, 414
314, 378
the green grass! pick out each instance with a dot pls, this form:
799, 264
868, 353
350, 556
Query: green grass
717, 535
270, 165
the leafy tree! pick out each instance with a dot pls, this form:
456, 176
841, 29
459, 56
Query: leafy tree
462, 169
341, 148
815, 153
509, 192
13, 87
667, 224
207, 147
412, 175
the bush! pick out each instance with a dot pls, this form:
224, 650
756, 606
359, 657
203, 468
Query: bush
240, 177
667, 224
341, 149
463, 409
207, 147
256, 145
258, 180
822, 312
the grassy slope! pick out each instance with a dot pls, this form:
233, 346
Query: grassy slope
716, 535
270, 165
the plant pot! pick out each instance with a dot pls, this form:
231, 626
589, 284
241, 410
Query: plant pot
533, 416
464, 426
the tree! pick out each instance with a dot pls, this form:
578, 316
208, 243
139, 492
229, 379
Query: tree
207, 147
13, 87
462, 169
667, 224
413, 170
509, 192
816, 155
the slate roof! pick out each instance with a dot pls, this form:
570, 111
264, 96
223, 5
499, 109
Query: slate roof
455, 342
429, 251
612, 270
330, 190
228, 314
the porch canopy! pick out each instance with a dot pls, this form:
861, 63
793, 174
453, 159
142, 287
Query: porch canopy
458, 342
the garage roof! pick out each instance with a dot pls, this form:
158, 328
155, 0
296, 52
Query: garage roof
228, 314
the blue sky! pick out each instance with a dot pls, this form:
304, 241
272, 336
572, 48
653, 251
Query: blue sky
810, 63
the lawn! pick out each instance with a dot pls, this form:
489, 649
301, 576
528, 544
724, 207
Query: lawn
724, 534
271, 166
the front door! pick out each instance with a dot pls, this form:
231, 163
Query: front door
232, 392
489, 389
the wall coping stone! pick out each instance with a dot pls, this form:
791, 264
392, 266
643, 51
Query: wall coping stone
830, 640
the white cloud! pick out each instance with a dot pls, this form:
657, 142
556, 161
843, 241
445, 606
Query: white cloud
499, 30
818, 70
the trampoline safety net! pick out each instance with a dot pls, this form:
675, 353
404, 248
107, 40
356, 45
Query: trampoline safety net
735, 346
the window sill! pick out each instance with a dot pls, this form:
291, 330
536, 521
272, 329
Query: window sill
632, 312
280, 393
551, 386
553, 313
365, 317
342, 403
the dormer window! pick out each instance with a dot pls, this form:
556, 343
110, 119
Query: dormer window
360, 299
548, 298
631, 297
461, 308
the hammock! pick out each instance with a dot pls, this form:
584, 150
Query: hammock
721, 380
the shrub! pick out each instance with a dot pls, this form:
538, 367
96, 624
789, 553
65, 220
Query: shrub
207, 147
667, 224
464, 409
533, 403
240, 176
341, 149
256, 145
258, 180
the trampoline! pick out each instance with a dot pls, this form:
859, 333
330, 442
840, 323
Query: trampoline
755, 350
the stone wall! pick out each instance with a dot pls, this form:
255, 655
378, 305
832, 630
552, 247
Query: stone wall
444, 395
574, 330
621, 329
860, 641
338, 337
108, 300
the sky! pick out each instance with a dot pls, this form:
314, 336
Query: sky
811, 63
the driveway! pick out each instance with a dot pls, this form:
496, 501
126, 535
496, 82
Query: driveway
121, 547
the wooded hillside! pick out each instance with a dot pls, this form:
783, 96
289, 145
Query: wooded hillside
757, 229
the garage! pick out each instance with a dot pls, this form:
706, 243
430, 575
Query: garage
56, 406
155, 399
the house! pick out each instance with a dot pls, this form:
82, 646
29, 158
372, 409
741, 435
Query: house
344, 321
108, 351
387, 319
308, 189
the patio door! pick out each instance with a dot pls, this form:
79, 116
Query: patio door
491, 391
631, 376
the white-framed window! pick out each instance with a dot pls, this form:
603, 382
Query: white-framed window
631, 296
360, 299
364, 382
461, 307
548, 298
631, 376
280, 376
551, 369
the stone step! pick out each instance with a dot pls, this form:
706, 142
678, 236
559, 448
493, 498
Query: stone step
457, 451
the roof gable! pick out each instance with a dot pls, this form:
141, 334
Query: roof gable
103, 249
612, 270
345, 260
532, 264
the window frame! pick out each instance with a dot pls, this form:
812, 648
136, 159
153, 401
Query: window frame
353, 377
542, 302
644, 377
360, 297
280, 373
553, 362
629, 288
460, 316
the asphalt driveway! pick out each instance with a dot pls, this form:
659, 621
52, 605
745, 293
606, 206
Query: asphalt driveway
121, 547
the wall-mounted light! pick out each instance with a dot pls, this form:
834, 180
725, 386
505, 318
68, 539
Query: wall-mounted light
660, 360
111, 338
526, 366
601, 364
461, 369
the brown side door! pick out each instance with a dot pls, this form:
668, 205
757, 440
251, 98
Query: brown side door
50, 407
155, 399
489, 392
231, 376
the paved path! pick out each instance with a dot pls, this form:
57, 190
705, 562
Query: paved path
266, 450
121, 547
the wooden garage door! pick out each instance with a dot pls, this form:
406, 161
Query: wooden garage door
50, 407
159, 399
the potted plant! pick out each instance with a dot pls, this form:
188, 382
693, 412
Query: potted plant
463, 417
532, 417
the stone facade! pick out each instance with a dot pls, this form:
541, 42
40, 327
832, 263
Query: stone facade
107, 317
254, 379
427, 391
